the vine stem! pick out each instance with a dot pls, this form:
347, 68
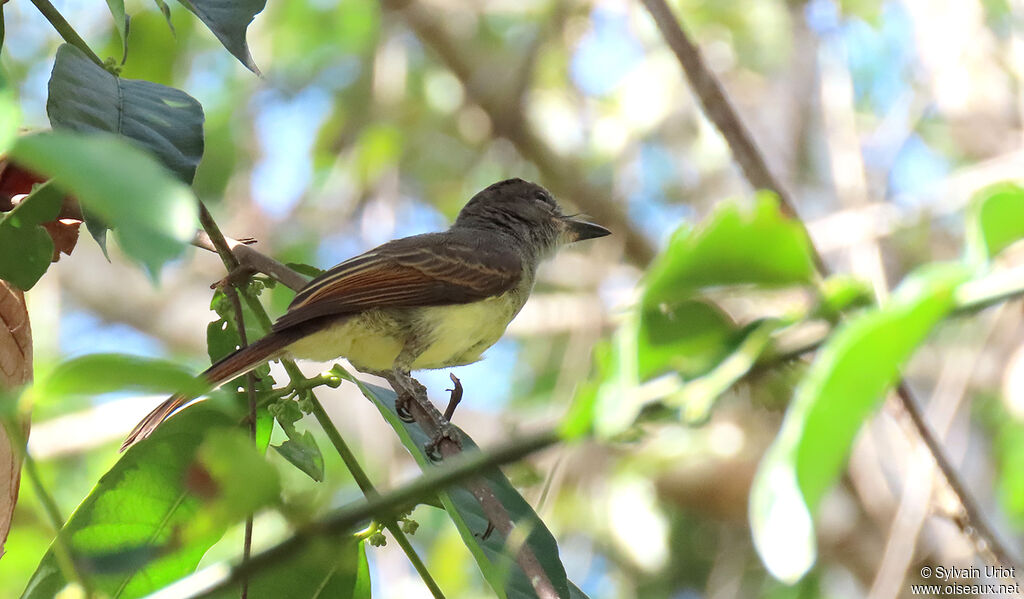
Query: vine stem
65, 29
720, 111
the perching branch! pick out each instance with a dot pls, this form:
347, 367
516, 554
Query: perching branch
343, 521
720, 111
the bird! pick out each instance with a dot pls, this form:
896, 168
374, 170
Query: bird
434, 300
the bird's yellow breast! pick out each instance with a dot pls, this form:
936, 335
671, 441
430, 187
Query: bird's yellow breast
448, 335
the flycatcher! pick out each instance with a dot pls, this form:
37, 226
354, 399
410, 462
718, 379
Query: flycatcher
428, 301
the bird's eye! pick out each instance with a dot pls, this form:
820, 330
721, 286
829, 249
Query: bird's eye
543, 198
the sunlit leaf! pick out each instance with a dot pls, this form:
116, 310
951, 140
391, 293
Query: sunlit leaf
499, 568
153, 214
93, 374
327, 568
697, 396
688, 337
167, 122
228, 20
10, 115
996, 219
127, 535
233, 479
735, 246
26, 249
845, 384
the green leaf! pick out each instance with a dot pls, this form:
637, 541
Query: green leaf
120, 23
10, 115
303, 453
840, 293
26, 248
735, 246
996, 220
843, 386
242, 481
153, 214
127, 535
697, 396
167, 122
689, 338
166, 12
325, 568
93, 374
228, 20
491, 554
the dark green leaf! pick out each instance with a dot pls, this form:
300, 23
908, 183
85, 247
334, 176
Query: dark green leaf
735, 246
228, 20
26, 248
303, 453
997, 219
165, 121
127, 535
324, 568
498, 566
847, 381
101, 373
153, 214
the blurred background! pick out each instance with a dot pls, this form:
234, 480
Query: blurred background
378, 120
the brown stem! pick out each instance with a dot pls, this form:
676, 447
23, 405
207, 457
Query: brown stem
562, 174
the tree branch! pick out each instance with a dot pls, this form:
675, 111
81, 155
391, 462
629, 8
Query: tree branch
720, 111
346, 519
561, 174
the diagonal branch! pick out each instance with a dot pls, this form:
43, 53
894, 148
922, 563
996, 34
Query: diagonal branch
563, 175
720, 111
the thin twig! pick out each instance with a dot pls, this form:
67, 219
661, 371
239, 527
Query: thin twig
344, 520
250, 391
65, 29
370, 492
248, 257
720, 111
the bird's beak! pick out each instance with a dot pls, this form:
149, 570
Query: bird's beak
578, 230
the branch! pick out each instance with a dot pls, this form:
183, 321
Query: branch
720, 111
344, 520
496, 513
250, 259
562, 174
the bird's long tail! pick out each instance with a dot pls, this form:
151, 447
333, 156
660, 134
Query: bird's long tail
224, 370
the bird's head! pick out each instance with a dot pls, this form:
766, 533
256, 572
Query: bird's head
528, 212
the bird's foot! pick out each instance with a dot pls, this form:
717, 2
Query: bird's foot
402, 406
454, 399
433, 447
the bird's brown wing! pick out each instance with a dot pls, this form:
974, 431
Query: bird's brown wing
424, 270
